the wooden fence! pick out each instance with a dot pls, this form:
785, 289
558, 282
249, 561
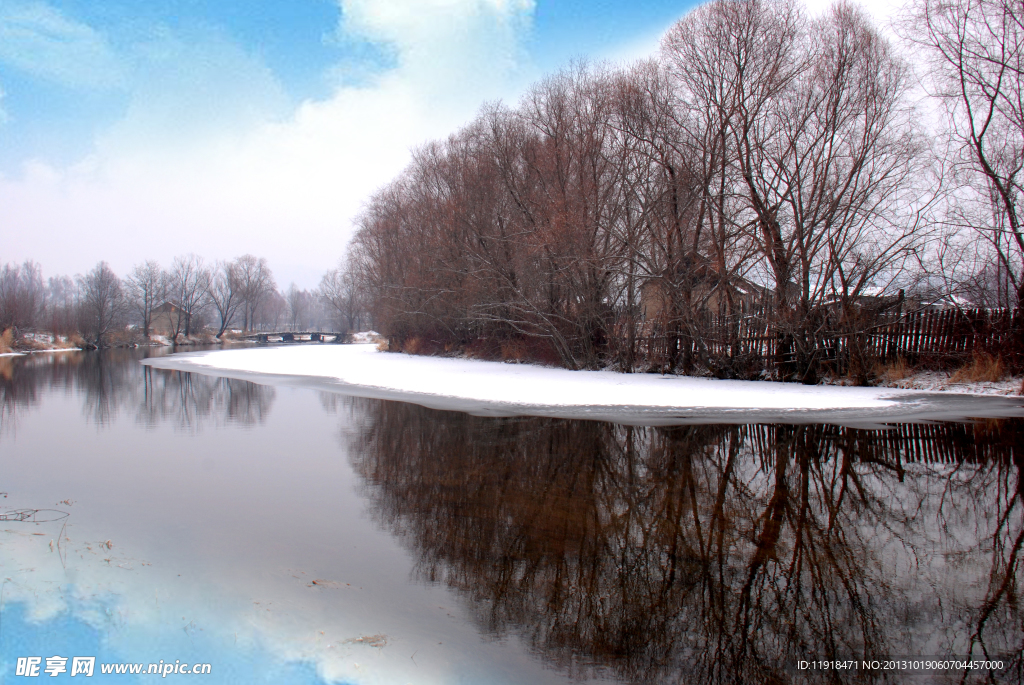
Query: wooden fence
938, 339
991, 442
952, 335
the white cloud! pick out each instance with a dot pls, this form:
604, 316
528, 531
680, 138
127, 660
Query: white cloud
191, 90
40, 40
177, 174
473, 37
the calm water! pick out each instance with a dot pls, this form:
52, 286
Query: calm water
286, 535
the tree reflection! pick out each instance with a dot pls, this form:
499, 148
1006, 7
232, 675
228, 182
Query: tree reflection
23, 380
983, 505
112, 382
708, 553
190, 400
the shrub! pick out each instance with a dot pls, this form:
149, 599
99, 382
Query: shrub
896, 371
513, 351
6, 340
983, 368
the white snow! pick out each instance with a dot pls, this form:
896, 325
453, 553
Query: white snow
941, 381
366, 337
495, 387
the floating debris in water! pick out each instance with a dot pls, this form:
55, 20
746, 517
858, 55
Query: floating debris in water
325, 583
371, 640
34, 515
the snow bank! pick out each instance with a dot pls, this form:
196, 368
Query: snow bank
366, 337
941, 381
496, 388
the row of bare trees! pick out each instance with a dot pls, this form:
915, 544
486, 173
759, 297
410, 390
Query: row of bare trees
199, 297
763, 163
233, 291
90, 304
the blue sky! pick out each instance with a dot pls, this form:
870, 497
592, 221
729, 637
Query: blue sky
142, 130
70, 66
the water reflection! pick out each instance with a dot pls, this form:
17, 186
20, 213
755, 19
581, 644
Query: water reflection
711, 553
112, 382
699, 553
188, 400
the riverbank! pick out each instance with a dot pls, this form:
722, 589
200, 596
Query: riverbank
500, 388
943, 381
37, 342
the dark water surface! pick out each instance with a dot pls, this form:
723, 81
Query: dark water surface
286, 535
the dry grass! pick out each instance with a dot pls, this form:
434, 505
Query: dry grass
383, 345
33, 344
6, 341
983, 368
896, 371
514, 351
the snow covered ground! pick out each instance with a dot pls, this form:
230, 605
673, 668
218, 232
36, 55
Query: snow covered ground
940, 381
494, 388
366, 337
52, 349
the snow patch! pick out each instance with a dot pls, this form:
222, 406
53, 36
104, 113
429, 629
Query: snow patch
939, 381
505, 389
367, 337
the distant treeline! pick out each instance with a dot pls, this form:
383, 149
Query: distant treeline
192, 298
766, 174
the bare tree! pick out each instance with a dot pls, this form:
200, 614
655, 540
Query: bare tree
257, 283
848, 161
22, 296
102, 302
190, 284
814, 120
272, 310
977, 63
146, 289
694, 248
61, 316
299, 307
340, 292
226, 293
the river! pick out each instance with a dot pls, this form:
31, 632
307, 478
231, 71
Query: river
285, 534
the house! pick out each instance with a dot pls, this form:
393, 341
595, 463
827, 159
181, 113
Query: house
708, 295
167, 319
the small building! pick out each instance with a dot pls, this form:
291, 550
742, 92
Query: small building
708, 294
167, 319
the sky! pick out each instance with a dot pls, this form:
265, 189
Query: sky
133, 131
